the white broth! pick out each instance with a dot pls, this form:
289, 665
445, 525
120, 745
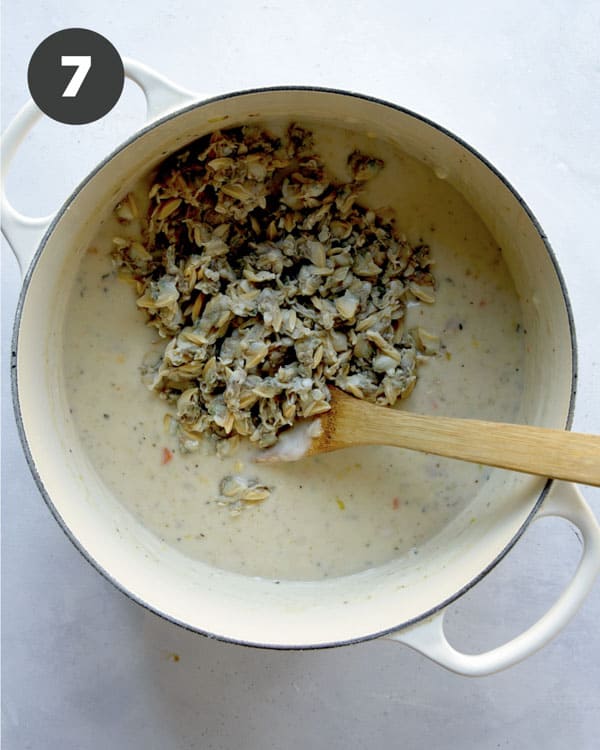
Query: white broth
334, 514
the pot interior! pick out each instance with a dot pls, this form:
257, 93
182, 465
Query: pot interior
253, 609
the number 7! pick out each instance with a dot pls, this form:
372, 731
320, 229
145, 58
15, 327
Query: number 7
83, 63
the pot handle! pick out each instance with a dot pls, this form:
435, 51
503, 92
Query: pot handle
428, 637
162, 95
24, 233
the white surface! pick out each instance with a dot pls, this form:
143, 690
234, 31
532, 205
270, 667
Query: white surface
83, 667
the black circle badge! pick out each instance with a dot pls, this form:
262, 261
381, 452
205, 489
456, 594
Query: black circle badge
75, 76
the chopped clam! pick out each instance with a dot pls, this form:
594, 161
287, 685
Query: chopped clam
161, 293
427, 342
269, 282
341, 229
383, 363
236, 491
167, 208
364, 167
127, 209
315, 252
383, 345
255, 353
423, 293
232, 486
347, 306
256, 494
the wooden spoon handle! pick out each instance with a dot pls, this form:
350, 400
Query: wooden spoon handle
535, 450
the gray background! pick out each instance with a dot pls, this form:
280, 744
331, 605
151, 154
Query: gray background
83, 667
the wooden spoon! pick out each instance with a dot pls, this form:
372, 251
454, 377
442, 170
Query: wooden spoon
534, 450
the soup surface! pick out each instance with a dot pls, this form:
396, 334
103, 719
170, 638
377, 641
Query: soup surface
334, 514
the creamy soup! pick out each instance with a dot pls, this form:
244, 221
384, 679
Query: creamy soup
334, 514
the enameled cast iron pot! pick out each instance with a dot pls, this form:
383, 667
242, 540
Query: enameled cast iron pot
403, 600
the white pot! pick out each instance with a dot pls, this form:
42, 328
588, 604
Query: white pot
403, 600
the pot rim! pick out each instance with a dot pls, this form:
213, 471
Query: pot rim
15, 342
